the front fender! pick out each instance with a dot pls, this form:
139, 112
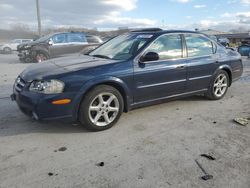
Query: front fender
35, 49
98, 81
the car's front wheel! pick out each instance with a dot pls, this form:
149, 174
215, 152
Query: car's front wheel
101, 108
219, 86
41, 56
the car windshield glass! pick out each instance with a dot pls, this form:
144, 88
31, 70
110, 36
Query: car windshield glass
44, 38
122, 47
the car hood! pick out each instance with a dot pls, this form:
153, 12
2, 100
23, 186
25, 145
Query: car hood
62, 65
31, 43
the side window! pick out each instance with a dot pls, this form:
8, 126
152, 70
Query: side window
198, 45
18, 41
59, 38
167, 47
76, 37
26, 40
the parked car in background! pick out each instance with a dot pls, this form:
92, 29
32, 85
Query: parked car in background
12, 45
244, 50
55, 45
132, 70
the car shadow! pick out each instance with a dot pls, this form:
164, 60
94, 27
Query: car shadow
194, 98
20, 124
14, 122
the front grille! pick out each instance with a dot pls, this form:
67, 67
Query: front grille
19, 84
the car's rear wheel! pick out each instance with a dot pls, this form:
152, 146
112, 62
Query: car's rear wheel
219, 86
41, 56
7, 50
101, 108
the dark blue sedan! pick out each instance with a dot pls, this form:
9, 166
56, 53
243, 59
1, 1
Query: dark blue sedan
135, 69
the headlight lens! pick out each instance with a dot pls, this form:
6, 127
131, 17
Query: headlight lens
47, 87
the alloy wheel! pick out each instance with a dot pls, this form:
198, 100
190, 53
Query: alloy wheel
220, 85
103, 109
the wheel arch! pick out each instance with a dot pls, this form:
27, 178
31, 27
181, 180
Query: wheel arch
36, 49
111, 81
228, 71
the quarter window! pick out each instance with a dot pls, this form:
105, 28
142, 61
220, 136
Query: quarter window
167, 47
198, 45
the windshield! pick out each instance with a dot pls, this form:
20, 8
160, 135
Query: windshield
44, 38
122, 47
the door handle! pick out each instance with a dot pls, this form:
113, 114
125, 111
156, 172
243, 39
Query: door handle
180, 67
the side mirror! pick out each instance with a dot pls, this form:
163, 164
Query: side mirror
150, 56
50, 42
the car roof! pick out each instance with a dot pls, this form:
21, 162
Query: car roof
161, 31
67, 32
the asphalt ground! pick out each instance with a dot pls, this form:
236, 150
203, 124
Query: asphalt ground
154, 146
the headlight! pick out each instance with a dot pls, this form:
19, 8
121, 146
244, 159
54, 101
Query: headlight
47, 87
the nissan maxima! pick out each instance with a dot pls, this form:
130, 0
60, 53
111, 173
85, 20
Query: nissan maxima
135, 69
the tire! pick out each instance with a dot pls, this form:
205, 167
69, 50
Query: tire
219, 86
7, 50
97, 112
41, 56
27, 59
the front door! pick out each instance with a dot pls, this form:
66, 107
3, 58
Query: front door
164, 77
60, 45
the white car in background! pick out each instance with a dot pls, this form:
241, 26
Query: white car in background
12, 45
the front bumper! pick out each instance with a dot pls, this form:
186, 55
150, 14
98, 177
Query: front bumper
22, 54
40, 107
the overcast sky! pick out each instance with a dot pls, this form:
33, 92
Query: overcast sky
110, 14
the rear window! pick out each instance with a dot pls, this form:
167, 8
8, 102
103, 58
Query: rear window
198, 45
76, 37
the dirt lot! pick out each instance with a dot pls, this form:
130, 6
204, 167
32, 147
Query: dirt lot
149, 147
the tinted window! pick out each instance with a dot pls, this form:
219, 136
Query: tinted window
59, 38
198, 45
167, 46
76, 37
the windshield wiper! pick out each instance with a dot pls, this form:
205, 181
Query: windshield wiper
101, 56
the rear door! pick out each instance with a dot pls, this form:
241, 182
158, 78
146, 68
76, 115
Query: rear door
201, 61
77, 41
164, 77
